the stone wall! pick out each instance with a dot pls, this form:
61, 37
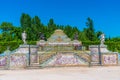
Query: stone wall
109, 59
18, 61
19, 58
96, 50
3, 61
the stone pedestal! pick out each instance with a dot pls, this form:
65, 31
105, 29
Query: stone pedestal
25, 49
95, 48
96, 51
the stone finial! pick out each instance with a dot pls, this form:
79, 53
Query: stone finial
76, 36
102, 39
24, 37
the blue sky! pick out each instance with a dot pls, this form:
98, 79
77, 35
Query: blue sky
105, 13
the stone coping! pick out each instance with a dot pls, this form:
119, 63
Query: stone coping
32, 46
96, 46
62, 51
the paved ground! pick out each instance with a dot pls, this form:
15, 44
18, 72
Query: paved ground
64, 73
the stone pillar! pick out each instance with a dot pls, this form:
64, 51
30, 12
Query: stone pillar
7, 53
96, 50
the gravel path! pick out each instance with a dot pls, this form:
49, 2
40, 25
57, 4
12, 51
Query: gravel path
63, 73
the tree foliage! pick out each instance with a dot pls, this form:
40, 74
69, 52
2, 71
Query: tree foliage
89, 31
33, 26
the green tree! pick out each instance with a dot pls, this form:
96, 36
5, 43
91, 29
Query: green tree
68, 30
90, 32
83, 36
6, 26
1, 37
25, 21
98, 33
50, 27
37, 27
16, 33
60, 27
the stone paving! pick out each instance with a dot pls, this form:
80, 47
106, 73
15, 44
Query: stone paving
63, 73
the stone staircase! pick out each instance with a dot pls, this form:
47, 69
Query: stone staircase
94, 64
34, 66
45, 58
85, 56
42, 58
52, 58
2, 67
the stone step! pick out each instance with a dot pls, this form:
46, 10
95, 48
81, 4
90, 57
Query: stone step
2, 67
34, 66
95, 63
